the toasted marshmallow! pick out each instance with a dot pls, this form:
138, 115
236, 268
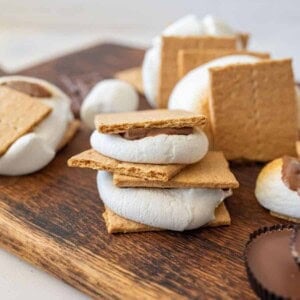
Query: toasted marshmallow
35, 150
111, 95
273, 194
170, 209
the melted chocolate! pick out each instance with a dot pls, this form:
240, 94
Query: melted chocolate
139, 133
28, 88
291, 173
270, 260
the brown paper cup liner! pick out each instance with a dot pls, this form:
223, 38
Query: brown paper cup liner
257, 287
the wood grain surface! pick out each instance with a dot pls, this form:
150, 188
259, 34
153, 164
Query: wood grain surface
53, 218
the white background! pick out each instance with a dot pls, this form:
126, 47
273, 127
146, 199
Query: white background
32, 31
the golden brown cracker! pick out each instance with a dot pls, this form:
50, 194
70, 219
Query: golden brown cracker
189, 59
72, 129
93, 160
132, 76
19, 114
159, 118
210, 172
287, 218
253, 110
116, 224
168, 66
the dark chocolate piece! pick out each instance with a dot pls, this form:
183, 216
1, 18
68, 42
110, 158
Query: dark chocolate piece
270, 266
139, 133
291, 173
28, 88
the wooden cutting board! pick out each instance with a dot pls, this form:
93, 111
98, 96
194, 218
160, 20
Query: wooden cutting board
53, 220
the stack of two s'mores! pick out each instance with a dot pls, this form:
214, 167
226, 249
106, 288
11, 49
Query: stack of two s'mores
155, 172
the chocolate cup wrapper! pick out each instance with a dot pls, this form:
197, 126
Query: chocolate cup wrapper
258, 288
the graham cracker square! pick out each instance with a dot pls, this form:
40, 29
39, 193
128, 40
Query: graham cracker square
169, 49
92, 159
210, 172
253, 110
19, 114
132, 76
116, 224
189, 59
160, 118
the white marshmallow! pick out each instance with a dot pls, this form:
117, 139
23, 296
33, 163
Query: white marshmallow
171, 209
192, 88
189, 25
273, 194
159, 149
34, 150
111, 95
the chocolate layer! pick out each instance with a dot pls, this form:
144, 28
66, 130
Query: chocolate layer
291, 173
28, 88
139, 133
271, 263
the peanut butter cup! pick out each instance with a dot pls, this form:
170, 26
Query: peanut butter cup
271, 267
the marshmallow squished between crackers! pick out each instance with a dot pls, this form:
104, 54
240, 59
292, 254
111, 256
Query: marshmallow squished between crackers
188, 26
277, 188
160, 146
108, 96
40, 116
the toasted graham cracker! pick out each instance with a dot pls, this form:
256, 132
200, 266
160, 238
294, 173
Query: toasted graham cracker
159, 118
170, 46
253, 110
116, 224
19, 114
189, 59
69, 134
94, 160
287, 218
210, 172
133, 76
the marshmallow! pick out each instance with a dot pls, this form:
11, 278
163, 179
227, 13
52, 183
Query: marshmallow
192, 90
35, 150
171, 209
273, 194
189, 25
111, 95
159, 149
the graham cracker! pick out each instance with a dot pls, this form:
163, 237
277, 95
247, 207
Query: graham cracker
210, 172
132, 76
189, 59
169, 49
19, 114
92, 159
253, 110
116, 224
287, 218
72, 129
159, 118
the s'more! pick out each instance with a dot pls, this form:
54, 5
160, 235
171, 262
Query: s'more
155, 172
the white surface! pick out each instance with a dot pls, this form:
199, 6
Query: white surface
21, 281
34, 30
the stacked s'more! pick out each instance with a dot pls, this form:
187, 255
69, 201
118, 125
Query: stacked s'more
155, 172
